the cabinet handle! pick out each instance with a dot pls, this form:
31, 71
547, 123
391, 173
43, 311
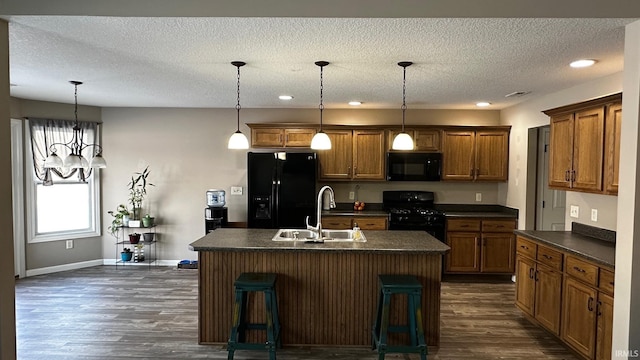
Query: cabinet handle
477, 172
599, 308
578, 269
590, 304
536, 275
547, 256
524, 247
566, 175
531, 271
573, 176
611, 283
280, 138
471, 172
286, 138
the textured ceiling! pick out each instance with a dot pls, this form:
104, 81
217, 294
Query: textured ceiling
185, 62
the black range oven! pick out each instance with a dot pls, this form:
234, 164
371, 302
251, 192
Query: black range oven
413, 210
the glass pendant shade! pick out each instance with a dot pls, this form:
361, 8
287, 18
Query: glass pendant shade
75, 162
238, 141
53, 161
98, 162
321, 141
402, 141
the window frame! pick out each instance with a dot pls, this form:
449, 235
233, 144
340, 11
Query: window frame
95, 228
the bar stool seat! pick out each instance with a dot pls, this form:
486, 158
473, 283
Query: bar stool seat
393, 285
245, 283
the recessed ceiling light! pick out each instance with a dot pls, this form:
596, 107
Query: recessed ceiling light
483, 104
355, 103
285, 97
582, 63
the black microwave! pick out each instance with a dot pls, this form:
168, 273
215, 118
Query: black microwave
413, 166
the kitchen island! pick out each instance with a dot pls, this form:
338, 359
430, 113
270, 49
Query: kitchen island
327, 293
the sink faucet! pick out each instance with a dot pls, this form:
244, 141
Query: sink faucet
332, 204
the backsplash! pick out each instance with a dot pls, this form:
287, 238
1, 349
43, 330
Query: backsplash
594, 232
445, 192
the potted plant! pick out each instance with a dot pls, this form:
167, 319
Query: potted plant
147, 220
120, 218
134, 238
138, 190
126, 254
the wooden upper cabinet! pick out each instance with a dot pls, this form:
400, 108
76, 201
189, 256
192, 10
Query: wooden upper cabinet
281, 137
560, 151
267, 137
475, 155
585, 145
368, 155
613, 125
588, 147
458, 155
423, 140
492, 155
335, 164
354, 154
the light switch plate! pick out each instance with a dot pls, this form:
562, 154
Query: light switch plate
352, 195
69, 244
478, 196
575, 211
594, 214
236, 190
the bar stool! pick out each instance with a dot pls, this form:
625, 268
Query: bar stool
245, 283
393, 285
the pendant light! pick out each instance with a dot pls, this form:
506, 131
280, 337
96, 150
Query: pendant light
237, 139
75, 159
321, 140
403, 141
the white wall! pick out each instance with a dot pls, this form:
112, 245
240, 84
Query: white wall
529, 114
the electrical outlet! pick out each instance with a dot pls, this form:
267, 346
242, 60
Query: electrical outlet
69, 244
575, 211
594, 214
236, 190
352, 195
478, 196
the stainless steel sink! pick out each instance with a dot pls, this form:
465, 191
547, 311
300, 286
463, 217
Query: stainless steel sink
310, 236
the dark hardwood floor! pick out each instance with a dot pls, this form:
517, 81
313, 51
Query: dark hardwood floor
137, 313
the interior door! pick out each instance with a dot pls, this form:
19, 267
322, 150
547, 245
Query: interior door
551, 204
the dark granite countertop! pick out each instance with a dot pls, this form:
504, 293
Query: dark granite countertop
378, 241
477, 211
482, 214
598, 251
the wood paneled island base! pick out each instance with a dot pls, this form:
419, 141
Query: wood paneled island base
327, 293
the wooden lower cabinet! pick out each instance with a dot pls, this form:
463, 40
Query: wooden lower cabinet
579, 317
480, 246
576, 305
604, 330
538, 292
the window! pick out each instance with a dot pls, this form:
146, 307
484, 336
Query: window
68, 209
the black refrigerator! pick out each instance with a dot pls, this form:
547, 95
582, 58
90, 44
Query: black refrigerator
281, 189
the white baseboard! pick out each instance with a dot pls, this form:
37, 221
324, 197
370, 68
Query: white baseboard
131, 263
65, 267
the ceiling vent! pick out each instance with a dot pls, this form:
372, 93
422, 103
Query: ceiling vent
517, 94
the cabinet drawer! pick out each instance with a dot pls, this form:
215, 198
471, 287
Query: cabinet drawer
606, 281
336, 222
526, 247
549, 257
582, 270
371, 223
463, 225
498, 225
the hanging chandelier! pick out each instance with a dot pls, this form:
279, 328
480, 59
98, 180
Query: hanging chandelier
403, 141
237, 139
75, 159
321, 140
